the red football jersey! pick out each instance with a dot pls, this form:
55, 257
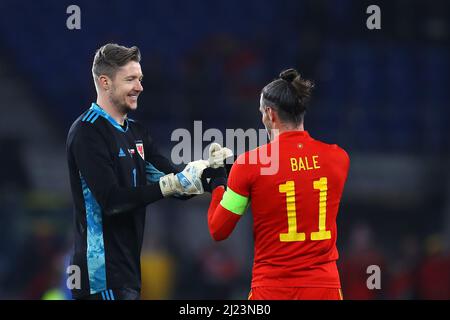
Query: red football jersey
294, 185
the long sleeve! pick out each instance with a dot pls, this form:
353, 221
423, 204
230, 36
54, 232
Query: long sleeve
90, 151
221, 222
227, 207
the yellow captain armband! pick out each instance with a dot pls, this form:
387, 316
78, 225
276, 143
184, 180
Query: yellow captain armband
234, 202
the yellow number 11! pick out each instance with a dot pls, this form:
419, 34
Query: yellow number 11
292, 234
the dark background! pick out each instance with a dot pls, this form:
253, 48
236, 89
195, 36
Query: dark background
382, 95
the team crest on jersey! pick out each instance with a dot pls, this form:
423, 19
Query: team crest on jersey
140, 149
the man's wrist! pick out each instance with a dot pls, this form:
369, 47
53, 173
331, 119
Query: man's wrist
218, 181
169, 185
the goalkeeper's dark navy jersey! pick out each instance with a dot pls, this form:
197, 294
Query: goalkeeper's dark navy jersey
114, 173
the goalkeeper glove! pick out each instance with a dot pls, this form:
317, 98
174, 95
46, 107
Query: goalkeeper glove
217, 155
186, 182
216, 174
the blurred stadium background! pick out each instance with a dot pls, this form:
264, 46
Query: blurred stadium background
382, 95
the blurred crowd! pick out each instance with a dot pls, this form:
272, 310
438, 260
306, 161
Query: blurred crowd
35, 255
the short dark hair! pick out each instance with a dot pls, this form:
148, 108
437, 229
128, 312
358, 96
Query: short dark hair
110, 57
288, 95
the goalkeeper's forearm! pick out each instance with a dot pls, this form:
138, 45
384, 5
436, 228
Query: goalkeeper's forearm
120, 200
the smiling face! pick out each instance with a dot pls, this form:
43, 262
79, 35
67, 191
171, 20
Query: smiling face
126, 86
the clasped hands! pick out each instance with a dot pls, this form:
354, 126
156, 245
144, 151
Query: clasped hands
199, 175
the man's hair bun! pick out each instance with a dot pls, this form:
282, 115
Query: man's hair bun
289, 75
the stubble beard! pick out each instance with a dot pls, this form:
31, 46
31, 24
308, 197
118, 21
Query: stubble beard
120, 104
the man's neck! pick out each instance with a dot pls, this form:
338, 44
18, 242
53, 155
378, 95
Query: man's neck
283, 128
110, 109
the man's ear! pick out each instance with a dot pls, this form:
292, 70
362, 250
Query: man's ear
271, 113
104, 82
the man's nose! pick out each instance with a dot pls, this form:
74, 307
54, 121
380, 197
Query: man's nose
138, 86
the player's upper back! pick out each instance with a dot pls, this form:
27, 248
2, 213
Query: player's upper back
295, 188
302, 158
295, 155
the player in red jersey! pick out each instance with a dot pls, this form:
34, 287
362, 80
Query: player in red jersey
294, 185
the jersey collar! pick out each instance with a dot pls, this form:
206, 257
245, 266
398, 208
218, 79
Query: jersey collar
111, 120
294, 134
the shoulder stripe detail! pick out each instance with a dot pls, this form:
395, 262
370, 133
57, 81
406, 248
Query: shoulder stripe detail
91, 116
87, 115
95, 118
96, 108
234, 202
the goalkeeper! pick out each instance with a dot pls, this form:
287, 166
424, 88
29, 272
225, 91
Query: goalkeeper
116, 170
